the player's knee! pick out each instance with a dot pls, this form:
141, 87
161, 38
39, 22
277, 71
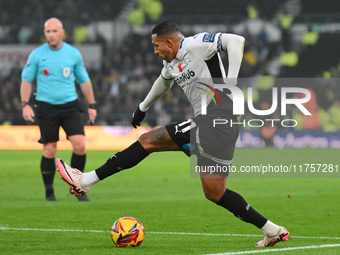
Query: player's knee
157, 140
214, 188
145, 140
213, 195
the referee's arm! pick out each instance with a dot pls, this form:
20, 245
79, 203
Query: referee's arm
25, 93
87, 90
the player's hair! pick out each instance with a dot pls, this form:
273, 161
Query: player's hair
165, 28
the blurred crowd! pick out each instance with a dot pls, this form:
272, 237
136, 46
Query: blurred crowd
22, 21
127, 73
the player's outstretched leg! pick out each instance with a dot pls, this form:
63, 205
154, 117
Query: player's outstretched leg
155, 140
73, 177
282, 235
81, 183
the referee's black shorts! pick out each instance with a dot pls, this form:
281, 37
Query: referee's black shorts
52, 117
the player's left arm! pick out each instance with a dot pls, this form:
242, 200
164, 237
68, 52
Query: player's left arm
234, 44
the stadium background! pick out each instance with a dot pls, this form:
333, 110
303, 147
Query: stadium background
284, 39
158, 191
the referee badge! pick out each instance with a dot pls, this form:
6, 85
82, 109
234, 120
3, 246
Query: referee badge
66, 72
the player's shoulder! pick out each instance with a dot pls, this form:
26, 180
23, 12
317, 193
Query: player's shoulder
199, 41
203, 37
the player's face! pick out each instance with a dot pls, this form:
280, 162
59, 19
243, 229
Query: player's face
163, 48
54, 35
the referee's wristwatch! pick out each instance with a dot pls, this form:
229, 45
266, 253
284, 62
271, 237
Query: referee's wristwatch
93, 106
24, 103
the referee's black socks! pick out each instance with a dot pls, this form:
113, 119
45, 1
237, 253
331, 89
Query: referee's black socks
47, 167
236, 204
78, 161
122, 160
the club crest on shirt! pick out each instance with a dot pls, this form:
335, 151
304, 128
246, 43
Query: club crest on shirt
66, 72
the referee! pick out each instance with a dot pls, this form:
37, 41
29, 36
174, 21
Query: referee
56, 66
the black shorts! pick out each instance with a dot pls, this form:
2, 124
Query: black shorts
52, 117
180, 134
199, 136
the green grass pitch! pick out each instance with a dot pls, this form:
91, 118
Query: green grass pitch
170, 204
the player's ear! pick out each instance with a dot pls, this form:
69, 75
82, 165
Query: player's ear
169, 43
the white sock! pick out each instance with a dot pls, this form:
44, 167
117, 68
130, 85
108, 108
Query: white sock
270, 229
90, 179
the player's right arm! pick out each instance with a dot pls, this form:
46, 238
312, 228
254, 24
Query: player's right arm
159, 88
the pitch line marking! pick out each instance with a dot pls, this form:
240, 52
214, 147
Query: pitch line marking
279, 249
159, 233
53, 230
244, 235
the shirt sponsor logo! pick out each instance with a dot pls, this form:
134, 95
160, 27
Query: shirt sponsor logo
185, 77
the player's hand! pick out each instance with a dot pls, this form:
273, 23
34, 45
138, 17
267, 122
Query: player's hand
28, 113
137, 117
